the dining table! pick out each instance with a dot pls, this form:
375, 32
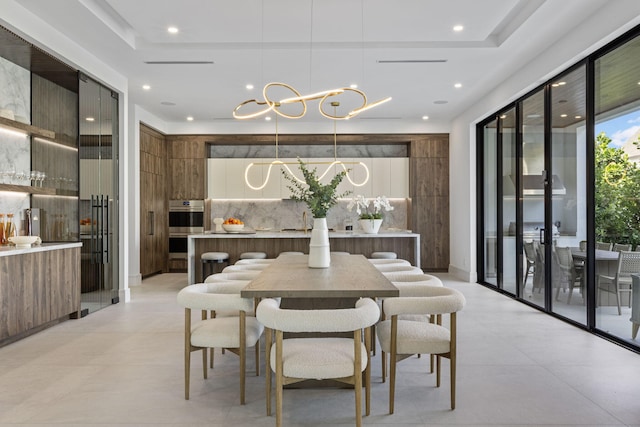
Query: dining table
348, 277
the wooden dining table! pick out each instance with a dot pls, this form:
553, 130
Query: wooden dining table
347, 278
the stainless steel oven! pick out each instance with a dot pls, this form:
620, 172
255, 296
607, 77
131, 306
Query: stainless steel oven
185, 217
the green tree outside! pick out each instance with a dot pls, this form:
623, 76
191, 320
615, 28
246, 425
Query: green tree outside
617, 207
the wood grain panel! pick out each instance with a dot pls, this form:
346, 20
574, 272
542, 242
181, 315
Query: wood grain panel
429, 176
37, 289
431, 221
154, 205
432, 145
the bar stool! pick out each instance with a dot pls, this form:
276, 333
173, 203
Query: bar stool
253, 255
213, 258
384, 255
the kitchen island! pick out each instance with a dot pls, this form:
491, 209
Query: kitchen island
404, 243
39, 287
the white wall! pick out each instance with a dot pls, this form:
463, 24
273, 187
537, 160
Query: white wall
613, 20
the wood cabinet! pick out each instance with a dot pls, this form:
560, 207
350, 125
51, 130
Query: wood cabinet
38, 289
154, 212
429, 189
187, 166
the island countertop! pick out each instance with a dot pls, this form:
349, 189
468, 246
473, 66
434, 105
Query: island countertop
404, 242
44, 247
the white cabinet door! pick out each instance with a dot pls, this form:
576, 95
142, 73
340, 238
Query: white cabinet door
217, 178
381, 177
399, 177
236, 186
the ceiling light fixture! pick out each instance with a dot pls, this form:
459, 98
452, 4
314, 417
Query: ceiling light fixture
190, 119
249, 86
146, 87
458, 28
172, 30
90, 119
425, 117
457, 85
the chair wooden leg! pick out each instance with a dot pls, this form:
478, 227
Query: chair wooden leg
242, 352
438, 363
279, 379
267, 367
392, 362
187, 351
367, 375
204, 363
357, 375
383, 359
257, 350
452, 368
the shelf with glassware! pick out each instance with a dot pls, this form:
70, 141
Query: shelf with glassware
34, 180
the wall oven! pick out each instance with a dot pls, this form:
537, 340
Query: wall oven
185, 217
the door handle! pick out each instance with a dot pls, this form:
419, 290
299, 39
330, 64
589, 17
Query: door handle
542, 236
152, 226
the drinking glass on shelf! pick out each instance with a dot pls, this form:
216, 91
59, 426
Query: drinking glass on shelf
41, 177
20, 176
33, 177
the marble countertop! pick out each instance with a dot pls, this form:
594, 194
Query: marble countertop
275, 234
12, 250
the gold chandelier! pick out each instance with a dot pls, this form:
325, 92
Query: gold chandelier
324, 97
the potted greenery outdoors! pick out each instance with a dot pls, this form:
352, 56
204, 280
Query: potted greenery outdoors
319, 199
370, 219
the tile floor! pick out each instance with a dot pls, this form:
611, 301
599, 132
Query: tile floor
124, 366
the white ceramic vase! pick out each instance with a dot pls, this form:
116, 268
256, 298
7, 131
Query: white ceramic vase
319, 253
370, 226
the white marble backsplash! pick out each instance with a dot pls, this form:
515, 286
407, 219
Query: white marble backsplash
286, 213
15, 148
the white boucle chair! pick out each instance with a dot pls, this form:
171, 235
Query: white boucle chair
254, 261
403, 338
384, 261
234, 333
244, 275
392, 268
245, 267
298, 359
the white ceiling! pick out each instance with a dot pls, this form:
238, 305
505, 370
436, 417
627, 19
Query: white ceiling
313, 46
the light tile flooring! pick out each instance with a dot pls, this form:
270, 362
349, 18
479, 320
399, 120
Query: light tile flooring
123, 365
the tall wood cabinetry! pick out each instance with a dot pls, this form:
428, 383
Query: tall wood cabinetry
429, 189
187, 168
154, 212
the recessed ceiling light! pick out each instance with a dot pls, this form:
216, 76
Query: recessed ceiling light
563, 115
425, 117
90, 119
457, 85
458, 28
355, 86
146, 87
249, 86
578, 117
190, 119
172, 30
267, 118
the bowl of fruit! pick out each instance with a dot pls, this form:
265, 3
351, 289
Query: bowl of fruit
233, 225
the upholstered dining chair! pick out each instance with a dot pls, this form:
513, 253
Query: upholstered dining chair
403, 338
254, 261
244, 275
385, 261
339, 358
245, 267
628, 264
392, 268
234, 333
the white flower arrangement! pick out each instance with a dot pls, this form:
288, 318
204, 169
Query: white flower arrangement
362, 206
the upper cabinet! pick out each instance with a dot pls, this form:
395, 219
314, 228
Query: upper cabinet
187, 168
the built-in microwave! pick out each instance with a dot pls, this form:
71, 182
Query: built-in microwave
185, 217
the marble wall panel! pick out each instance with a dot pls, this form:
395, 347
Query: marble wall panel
15, 148
307, 151
279, 214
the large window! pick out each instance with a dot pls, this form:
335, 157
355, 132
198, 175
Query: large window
565, 224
